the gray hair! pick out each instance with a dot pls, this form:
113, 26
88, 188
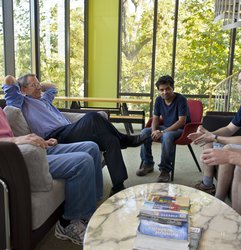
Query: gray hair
23, 80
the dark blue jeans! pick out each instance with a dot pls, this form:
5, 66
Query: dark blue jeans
94, 127
168, 148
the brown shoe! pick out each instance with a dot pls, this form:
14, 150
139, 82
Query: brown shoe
210, 190
164, 176
144, 170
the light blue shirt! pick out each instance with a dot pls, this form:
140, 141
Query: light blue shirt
41, 116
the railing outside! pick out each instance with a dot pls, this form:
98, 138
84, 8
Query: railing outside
229, 12
227, 97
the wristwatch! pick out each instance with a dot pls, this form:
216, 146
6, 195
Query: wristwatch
215, 139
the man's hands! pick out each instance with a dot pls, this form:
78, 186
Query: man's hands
202, 136
156, 135
10, 80
52, 142
46, 85
34, 140
212, 157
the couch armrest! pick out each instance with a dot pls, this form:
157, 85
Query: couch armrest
13, 172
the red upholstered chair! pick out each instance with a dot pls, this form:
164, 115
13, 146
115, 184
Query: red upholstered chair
196, 112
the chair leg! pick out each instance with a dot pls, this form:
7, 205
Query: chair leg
141, 164
194, 157
172, 172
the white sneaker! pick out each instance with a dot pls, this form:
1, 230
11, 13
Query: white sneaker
75, 231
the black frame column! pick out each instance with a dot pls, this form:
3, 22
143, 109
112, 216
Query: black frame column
34, 33
8, 37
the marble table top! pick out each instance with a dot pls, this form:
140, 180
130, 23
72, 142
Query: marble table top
113, 226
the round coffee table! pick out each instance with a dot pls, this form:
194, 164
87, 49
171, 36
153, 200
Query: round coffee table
113, 226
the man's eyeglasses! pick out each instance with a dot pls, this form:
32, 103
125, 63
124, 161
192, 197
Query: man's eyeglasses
34, 85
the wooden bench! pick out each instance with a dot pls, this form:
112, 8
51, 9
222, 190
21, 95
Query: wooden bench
121, 114
133, 117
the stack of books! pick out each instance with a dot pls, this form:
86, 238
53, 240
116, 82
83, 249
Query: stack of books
164, 224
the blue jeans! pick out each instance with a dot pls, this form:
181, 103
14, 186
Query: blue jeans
79, 164
94, 127
168, 148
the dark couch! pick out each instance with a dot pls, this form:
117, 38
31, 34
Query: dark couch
215, 120
32, 213
13, 172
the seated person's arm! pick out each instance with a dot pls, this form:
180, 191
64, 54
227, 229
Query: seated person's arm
156, 133
203, 136
32, 139
49, 91
12, 92
155, 123
178, 124
228, 130
45, 86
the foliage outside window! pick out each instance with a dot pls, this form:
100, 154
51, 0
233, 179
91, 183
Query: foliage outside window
77, 48
164, 40
202, 49
136, 46
202, 46
52, 43
22, 37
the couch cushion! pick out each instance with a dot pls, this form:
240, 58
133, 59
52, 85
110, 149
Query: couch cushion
38, 167
73, 117
17, 121
45, 203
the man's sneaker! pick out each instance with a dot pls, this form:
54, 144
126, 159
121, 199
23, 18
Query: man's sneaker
144, 170
210, 190
164, 176
75, 231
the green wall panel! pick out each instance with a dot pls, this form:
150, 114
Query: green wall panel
103, 49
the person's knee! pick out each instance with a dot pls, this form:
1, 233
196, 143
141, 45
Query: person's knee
84, 164
208, 145
146, 131
237, 172
228, 146
93, 146
168, 138
92, 115
113, 140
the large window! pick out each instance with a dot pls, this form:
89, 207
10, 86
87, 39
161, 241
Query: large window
77, 48
202, 46
164, 39
136, 46
52, 43
136, 49
202, 49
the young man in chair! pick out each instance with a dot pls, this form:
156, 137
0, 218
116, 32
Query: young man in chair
172, 108
46, 121
79, 165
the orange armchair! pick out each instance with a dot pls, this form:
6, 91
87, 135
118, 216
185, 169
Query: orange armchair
196, 112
